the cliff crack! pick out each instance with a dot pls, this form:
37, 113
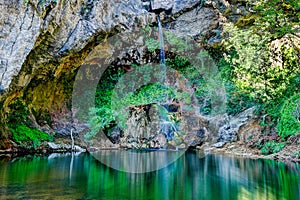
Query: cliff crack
31, 22
63, 48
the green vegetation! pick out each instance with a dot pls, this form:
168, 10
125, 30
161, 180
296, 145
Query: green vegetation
118, 91
297, 154
254, 73
19, 126
195, 78
262, 65
271, 147
248, 66
237, 100
258, 62
26, 136
114, 109
19, 113
152, 44
258, 46
289, 123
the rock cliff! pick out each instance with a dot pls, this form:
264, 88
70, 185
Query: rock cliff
44, 42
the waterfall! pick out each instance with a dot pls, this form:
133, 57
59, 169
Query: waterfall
166, 126
162, 50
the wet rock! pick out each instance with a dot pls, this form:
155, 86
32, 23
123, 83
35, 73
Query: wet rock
167, 128
160, 141
158, 6
171, 107
162, 4
192, 139
182, 146
115, 135
219, 144
78, 148
98, 142
229, 131
64, 147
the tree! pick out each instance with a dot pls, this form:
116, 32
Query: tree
268, 61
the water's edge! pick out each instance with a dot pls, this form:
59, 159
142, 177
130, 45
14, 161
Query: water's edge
237, 152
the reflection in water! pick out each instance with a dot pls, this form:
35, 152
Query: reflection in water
137, 161
189, 177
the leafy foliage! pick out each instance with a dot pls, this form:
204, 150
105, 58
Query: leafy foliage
254, 73
289, 123
271, 147
277, 18
152, 44
19, 126
253, 70
105, 116
100, 118
237, 100
177, 44
196, 79
297, 154
24, 135
112, 104
264, 63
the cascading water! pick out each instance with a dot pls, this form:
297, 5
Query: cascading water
166, 126
162, 50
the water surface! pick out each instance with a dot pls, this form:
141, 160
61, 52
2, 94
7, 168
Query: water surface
192, 176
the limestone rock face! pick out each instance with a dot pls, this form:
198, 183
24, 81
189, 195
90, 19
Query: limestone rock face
59, 27
170, 6
161, 4
56, 29
19, 29
201, 24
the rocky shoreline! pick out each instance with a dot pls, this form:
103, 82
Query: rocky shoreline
235, 149
239, 150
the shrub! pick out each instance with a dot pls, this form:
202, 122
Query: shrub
297, 154
24, 135
237, 100
289, 123
272, 147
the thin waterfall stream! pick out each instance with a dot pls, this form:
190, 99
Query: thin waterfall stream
162, 50
166, 126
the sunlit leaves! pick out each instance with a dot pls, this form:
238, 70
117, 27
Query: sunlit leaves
268, 59
289, 123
